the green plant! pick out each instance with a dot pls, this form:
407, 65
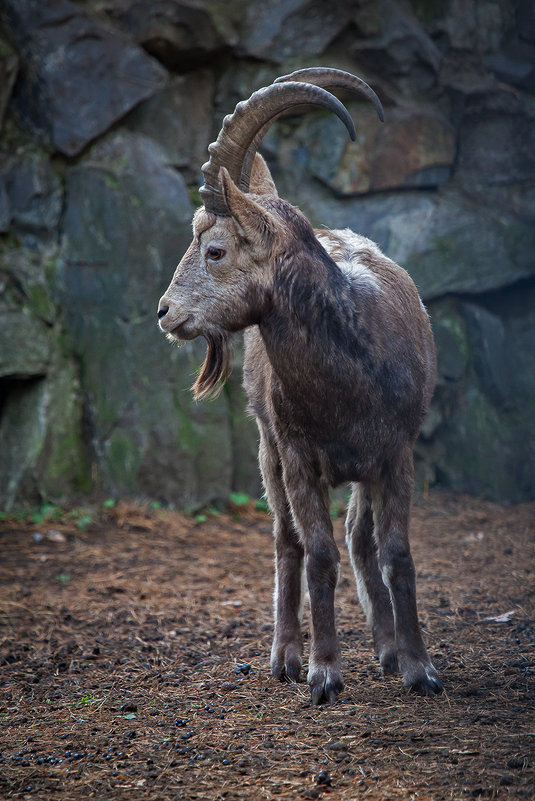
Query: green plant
47, 511
262, 505
239, 498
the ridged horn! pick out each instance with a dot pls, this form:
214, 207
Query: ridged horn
325, 77
251, 116
330, 78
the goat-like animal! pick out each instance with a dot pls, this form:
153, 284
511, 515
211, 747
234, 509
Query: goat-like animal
339, 369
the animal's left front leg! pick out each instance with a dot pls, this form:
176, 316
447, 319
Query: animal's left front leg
308, 498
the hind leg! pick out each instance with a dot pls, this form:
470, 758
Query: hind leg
373, 595
391, 508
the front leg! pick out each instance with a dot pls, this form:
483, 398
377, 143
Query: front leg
287, 645
308, 498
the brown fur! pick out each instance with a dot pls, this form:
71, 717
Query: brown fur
339, 368
215, 369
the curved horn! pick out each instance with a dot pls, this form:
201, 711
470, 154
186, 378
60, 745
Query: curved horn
325, 77
329, 78
251, 117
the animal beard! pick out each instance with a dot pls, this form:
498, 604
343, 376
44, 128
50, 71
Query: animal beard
216, 366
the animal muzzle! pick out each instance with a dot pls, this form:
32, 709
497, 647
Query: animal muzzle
173, 322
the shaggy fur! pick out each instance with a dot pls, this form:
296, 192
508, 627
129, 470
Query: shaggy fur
339, 369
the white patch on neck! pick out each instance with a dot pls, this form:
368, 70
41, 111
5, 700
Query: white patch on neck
345, 247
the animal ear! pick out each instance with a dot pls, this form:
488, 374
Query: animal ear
254, 223
261, 182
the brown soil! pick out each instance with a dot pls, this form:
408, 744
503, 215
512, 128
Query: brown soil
134, 664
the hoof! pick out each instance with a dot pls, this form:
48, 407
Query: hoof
389, 662
326, 684
286, 663
425, 683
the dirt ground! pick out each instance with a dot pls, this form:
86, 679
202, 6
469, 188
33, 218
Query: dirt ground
134, 663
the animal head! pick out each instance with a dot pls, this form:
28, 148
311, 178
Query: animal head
217, 287
220, 285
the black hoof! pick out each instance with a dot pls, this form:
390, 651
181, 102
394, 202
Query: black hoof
288, 673
427, 686
320, 695
325, 686
287, 670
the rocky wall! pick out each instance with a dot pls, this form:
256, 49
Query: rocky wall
106, 111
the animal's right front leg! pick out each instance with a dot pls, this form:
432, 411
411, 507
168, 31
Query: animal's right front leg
287, 645
288, 602
308, 496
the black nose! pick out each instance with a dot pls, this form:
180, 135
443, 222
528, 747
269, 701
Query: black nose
162, 311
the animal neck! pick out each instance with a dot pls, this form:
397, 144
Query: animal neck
312, 321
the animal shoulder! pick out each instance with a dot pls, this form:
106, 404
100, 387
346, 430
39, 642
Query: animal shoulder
360, 259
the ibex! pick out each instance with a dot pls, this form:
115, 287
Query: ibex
339, 369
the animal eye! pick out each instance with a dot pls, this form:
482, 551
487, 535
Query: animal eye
214, 254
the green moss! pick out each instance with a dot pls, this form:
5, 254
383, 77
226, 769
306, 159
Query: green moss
39, 302
456, 328
123, 460
444, 248
112, 180
482, 416
68, 465
50, 266
188, 436
64, 463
